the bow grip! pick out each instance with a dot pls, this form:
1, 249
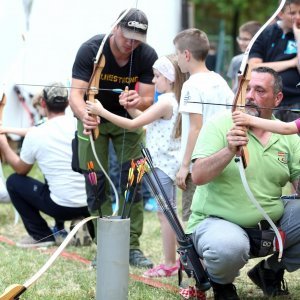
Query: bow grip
94, 87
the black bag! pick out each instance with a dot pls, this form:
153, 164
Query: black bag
261, 241
191, 264
75, 156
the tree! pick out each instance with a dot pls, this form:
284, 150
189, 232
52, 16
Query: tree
233, 12
218, 16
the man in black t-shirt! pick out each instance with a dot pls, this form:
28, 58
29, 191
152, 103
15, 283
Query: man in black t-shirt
129, 63
276, 47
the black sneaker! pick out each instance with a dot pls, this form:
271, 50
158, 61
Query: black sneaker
271, 283
224, 291
137, 259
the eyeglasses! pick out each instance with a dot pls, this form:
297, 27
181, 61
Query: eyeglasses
242, 40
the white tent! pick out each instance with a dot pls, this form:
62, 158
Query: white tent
39, 43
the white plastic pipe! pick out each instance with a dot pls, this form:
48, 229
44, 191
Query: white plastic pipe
113, 236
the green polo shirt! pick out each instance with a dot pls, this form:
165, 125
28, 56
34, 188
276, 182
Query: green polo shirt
270, 168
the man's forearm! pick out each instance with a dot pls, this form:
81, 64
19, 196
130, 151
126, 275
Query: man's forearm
76, 99
78, 107
206, 169
145, 103
146, 93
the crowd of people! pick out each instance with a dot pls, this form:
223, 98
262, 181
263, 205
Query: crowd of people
194, 139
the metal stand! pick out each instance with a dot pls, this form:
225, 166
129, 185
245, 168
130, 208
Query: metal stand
113, 236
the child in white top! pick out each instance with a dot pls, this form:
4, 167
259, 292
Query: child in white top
163, 140
199, 96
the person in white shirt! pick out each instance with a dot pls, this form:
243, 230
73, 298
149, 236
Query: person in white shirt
63, 194
202, 95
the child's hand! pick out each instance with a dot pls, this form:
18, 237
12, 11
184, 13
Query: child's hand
94, 108
241, 119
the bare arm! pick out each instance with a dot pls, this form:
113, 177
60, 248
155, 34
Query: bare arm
134, 113
157, 111
278, 66
276, 126
12, 158
195, 126
13, 130
206, 169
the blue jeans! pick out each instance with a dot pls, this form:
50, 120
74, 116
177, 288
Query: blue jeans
30, 197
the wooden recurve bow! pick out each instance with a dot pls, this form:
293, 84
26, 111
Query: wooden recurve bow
242, 157
93, 87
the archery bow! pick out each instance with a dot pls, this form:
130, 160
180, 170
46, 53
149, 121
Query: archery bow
242, 157
93, 90
99, 64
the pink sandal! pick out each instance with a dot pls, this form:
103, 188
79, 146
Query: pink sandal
161, 271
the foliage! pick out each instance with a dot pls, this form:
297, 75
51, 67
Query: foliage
226, 9
221, 19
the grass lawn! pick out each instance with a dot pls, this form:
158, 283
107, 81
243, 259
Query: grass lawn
71, 279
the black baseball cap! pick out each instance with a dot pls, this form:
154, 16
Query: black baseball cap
135, 25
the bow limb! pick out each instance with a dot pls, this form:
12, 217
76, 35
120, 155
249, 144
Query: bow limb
258, 206
244, 77
14, 291
242, 157
99, 64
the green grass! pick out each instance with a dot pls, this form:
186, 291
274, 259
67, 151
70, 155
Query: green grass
69, 279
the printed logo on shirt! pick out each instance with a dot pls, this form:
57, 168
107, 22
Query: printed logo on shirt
291, 48
283, 157
186, 98
119, 79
